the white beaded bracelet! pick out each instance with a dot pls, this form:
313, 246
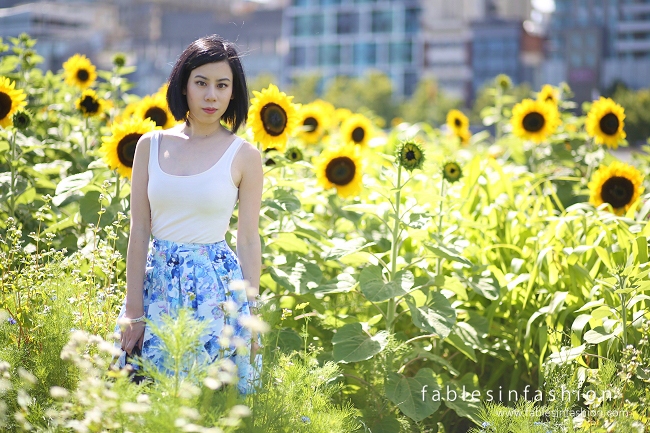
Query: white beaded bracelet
136, 320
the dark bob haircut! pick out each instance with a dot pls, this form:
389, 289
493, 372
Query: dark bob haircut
209, 49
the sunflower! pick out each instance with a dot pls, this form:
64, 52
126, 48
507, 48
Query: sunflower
340, 168
549, 94
618, 184
155, 108
313, 122
293, 154
273, 117
341, 115
534, 120
119, 147
89, 104
22, 119
11, 99
605, 122
503, 81
79, 71
356, 129
457, 121
452, 172
410, 155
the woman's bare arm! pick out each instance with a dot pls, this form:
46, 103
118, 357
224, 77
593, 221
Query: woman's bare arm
139, 236
249, 248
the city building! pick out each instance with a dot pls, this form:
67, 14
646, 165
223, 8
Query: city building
335, 37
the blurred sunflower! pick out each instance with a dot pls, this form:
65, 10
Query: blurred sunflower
119, 147
293, 154
340, 168
356, 129
549, 94
273, 117
458, 124
313, 122
11, 99
79, 71
341, 115
155, 108
534, 120
605, 122
618, 184
503, 81
128, 112
410, 155
90, 104
452, 172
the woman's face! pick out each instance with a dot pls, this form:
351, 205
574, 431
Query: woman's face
209, 90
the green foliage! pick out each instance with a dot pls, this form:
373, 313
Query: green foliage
428, 104
637, 112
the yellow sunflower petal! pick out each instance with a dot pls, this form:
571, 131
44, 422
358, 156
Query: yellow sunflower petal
534, 120
357, 129
605, 122
155, 108
340, 168
11, 100
119, 147
313, 122
273, 118
457, 122
618, 184
549, 94
79, 71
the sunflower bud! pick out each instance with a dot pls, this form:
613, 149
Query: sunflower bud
410, 155
504, 82
293, 154
452, 172
22, 120
119, 60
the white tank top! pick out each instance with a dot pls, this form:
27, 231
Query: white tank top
195, 208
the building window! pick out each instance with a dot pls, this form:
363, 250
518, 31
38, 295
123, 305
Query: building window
347, 23
300, 2
307, 25
329, 55
365, 54
411, 21
298, 56
410, 83
382, 22
329, 2
400, 52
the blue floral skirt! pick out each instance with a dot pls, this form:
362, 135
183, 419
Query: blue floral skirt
197, 277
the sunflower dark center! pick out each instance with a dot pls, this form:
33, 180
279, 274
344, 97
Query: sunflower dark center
83, 75
410, 155
609, 124
358, 134
156, 114
5, 105
549, 98
311, 123
274, 119
617, 191
89, 105
533, 122
294, 155
126, 148
458, 123
340, 171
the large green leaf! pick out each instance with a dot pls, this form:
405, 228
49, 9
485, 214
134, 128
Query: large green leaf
485, 285
89, 207
448, 253
343, 283
438, 317
458, 396
71, 184
286, 339
375, 289
283, 201
352, 344
415, 396
343, 248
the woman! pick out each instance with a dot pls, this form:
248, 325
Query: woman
186, 181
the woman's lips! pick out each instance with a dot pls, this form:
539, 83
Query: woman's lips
210, 110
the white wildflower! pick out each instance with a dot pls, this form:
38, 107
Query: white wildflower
58, 392
130, 407
255, 324
212, 383
240, 411
189, 412
27, 376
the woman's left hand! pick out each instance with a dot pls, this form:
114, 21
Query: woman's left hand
255, 347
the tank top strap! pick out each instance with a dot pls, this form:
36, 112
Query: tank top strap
229, 156
153, 151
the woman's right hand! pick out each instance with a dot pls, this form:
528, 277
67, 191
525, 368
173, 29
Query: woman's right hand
132, 334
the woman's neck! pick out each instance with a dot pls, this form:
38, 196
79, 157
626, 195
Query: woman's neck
200, 132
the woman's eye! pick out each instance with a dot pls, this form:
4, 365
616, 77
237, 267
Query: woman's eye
201, 83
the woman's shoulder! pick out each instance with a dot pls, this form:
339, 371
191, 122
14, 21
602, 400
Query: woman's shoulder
248, 151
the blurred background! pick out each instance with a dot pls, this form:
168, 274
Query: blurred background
396, 51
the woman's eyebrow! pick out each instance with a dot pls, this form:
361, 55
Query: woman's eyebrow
206, 78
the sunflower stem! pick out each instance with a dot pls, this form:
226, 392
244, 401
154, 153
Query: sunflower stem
84, 133
440, 217
117, 186
390, 314
12, 185
498, 105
